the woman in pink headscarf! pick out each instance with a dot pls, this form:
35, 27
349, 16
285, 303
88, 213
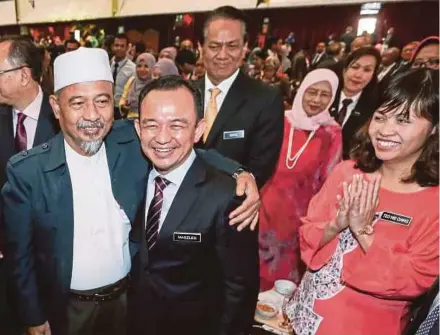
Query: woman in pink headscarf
312, 146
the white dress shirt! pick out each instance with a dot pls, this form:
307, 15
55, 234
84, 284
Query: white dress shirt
175, 177
101, 253
224, 87
350, 107
385, 71
30, 123
126, 69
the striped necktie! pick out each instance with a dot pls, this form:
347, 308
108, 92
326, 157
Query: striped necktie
153, 217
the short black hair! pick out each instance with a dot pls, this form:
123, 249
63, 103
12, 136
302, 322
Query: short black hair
23, 52
71, 41
229, 13
186, 56
172, 83
121, 37
414, 89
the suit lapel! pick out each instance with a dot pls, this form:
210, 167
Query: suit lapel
184, 200
235, 98
45, 126
6, 133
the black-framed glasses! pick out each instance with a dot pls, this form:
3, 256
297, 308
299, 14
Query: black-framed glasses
13, 69
432, 63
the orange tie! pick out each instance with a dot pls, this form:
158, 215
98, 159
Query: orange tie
211, 111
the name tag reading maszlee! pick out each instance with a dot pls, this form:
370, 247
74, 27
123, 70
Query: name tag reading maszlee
187, 237
232, 135
396, 218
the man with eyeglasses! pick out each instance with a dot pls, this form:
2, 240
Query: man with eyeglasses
26, 120
244, 117
427, 54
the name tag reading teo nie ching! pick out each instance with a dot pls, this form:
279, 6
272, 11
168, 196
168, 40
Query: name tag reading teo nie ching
232, 135
396, 218
187, 237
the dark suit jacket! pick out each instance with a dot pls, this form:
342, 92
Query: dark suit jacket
364, 109
328, 63
199, 288
47, 127
258, 110
38, 212
324, 57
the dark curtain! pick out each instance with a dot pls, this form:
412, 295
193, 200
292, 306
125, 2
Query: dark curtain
411, 20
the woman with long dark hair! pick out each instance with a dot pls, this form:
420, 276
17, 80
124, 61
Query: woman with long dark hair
357, 95
370, 239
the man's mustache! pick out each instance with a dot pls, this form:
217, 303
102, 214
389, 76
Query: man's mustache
83, 124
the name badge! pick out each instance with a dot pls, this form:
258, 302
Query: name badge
396, 218
232, 135
187, 237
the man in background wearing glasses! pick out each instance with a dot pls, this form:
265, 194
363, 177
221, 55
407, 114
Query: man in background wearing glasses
26, 120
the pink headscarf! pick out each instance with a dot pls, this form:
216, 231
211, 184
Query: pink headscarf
298, 117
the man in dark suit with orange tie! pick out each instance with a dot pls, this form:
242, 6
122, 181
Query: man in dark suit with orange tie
26, 120
244, 117
194, 273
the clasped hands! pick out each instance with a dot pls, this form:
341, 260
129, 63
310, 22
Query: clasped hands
357, 205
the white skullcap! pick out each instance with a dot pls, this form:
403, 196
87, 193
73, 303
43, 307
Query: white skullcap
80, 66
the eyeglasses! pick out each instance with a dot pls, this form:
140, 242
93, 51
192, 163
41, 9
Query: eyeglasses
431, 63
13, 69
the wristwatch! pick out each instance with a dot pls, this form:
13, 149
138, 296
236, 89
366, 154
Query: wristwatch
367, 230
239, 171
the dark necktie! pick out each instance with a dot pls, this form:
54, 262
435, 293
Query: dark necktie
153, 217
343, 112
426, 326
20, 133
115, 72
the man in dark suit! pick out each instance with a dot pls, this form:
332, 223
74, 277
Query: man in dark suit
68, 206
334, 55
194, 274
26, 120
319, 56
244, 117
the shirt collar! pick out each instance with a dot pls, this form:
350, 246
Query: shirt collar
224, 86
74, 157
177, 175
354, 98
33, 109
121, 62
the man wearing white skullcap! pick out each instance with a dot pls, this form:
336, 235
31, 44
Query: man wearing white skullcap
68, 208
69, 205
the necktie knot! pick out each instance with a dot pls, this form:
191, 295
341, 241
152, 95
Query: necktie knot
346, 102
215, 92
161, 182
20, 118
